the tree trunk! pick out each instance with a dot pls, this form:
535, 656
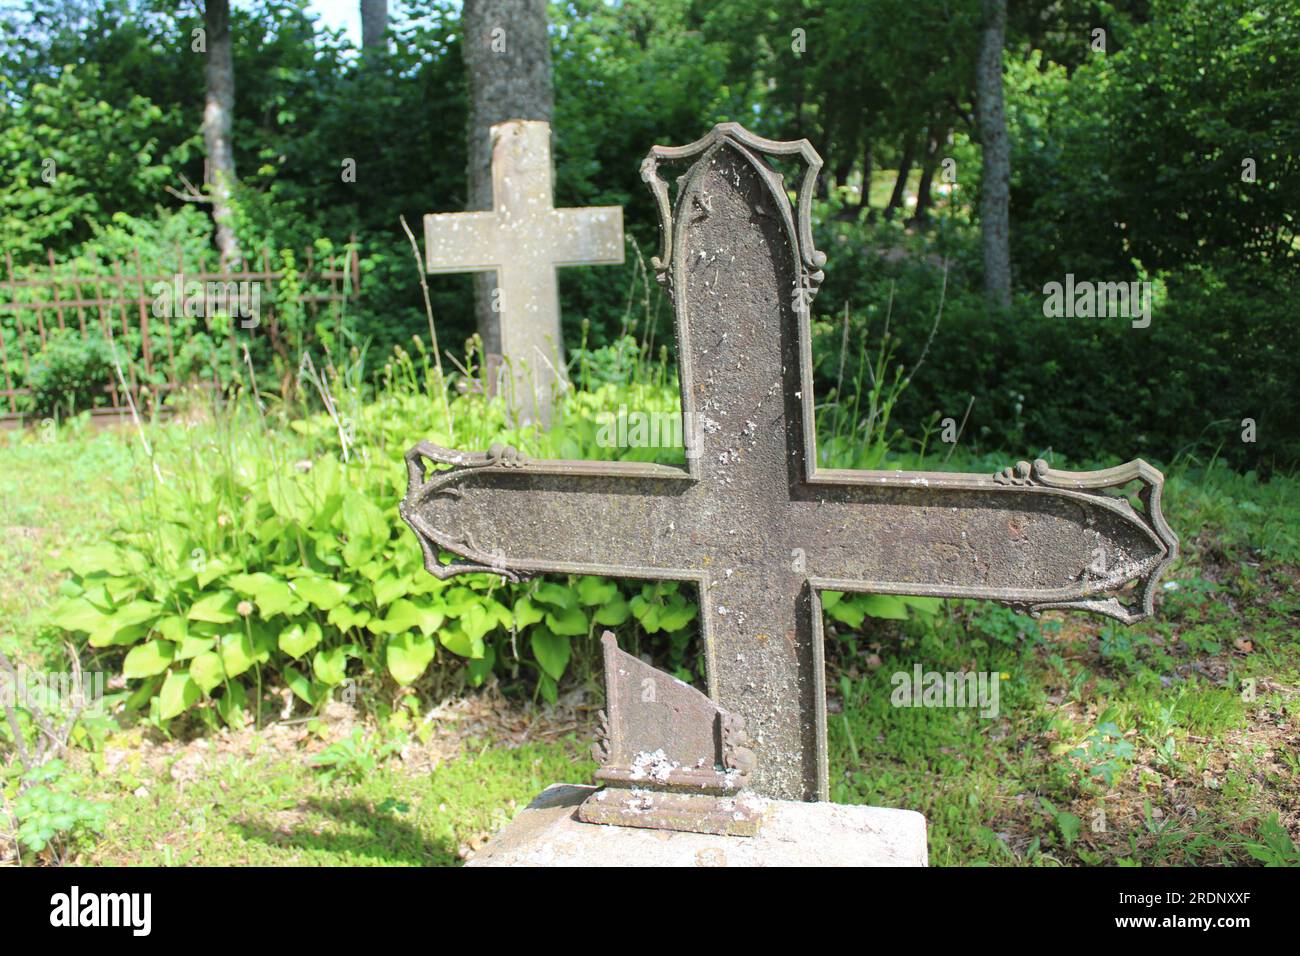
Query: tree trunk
507, 55
218, 112
842, 170
928, 165
864, 201
995, 191
374, 24
900, 184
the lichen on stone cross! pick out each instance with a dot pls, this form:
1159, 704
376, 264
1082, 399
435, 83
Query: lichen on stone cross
523, 239
751, 520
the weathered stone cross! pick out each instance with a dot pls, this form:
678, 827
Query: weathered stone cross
752, 520
522, 240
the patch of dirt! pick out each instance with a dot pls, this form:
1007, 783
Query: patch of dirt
480, 715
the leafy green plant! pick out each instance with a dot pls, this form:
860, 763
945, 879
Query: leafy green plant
1102, 753
256, 556
51, 813
1067, 824
69, 374
1274, 846
356, 757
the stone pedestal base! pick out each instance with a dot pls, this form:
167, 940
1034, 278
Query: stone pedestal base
549, 833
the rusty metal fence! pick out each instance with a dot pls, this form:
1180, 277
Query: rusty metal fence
113, 300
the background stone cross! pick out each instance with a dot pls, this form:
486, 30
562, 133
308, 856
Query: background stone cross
523, 239
751, 519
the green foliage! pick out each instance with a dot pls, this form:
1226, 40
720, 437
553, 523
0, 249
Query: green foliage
1274, 846
1101, 754
1066, 823
1126, 165
262, 557
69, 374
52, 812
354, 758
72, 160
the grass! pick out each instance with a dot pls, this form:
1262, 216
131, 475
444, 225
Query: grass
258, 806
1170, 742
54, 493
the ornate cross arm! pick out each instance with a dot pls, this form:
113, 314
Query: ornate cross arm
508, 515
1029, 536
1146, 573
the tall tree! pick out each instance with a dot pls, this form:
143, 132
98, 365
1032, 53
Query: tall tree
897, 197
374, 24
218, 112
507, 54
995, 191
936, 137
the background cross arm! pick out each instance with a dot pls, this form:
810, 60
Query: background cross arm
588, 236
461, 241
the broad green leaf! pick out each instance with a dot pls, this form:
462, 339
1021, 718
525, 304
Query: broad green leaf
125, 625
98, 596
593, 590
475, 622
501, 614
303, 689
174, 628
479, 669
551, 650
232, 704
206, 671
647, 612
143, 694
830, 599
457, 599
885, 606
218, 608
403, 615
287, 499
330, 666
458, 642
848, 612
557, 595
178, 693
121, 590
327, 476
321, 592
271, 594
237, 654
193, 646
94, 558
408, 656
210, 570
364, 527
390, 587
148, 659
344, 617
296, 640
677, 614
550, 690
175, 550
612, 614
925, 605
570, 622
77, 614
526, 613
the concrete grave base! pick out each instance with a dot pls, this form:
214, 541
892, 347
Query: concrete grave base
549, 833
